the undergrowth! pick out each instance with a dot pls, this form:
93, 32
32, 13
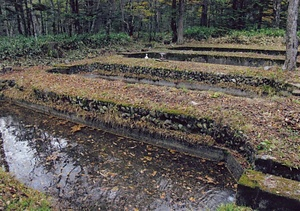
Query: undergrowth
20, 46
15, 196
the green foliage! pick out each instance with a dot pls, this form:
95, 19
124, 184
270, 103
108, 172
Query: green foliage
264, 36
13, 47
100, 40
233, 207
18, 46
266, 32
15, 196
216, 95
266, 145
268, 90
200, 33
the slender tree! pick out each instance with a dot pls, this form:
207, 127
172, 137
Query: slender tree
291, 36
174, 21
74, 6
1, 19
276, 12
204, 13
180, 22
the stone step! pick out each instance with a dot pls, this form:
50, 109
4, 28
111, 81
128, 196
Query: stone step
296, 85
296, 92
267, 192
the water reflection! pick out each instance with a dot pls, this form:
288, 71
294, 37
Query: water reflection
90, 169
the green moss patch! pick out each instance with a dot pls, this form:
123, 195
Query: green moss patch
270, 183
15, 196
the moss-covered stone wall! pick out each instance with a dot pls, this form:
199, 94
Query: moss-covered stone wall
168, 120
212, 58
173, 74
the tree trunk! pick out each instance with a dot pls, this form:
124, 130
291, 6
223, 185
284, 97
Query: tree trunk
173, 21
123, 24
59, 19
27, 18
109, 19
20, 17
180, 39
157, 19
276, 10
43, 31
204, 19
96, 8
75, 15
238, 14
1, 20
260, 13
291, 36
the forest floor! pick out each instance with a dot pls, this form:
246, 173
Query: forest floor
270, 122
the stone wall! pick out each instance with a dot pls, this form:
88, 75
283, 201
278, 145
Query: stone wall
222, 134
173, 74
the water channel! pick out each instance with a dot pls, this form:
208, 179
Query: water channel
89, 169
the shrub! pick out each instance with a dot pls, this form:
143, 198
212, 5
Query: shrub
18, 46
266, 32
200, 33
100, 40
13, 47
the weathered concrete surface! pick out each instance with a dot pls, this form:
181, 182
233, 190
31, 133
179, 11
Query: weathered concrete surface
269, 166
229, 49
268, 192
296, 92
213, 59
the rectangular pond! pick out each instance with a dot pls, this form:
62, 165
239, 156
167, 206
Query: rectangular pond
85, 168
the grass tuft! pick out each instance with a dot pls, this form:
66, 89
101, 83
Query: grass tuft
15, 196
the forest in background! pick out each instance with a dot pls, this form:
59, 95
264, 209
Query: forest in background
98, 23
138, 18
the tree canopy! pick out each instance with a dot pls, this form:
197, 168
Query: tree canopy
135, 17
153, 19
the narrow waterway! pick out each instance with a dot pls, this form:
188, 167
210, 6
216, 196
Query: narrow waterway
89, 169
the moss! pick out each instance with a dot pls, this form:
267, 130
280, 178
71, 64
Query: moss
16, 196
250, 181
233, 207
272, 184
62, 66
172, 111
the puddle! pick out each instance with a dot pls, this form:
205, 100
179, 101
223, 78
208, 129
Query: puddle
86, 168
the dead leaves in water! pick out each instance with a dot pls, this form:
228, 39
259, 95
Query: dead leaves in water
207, 179
76, 128
146, 159
192, 199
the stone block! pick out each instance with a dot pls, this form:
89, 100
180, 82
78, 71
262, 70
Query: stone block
268, 192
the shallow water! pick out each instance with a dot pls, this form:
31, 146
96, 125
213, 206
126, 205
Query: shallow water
90, 169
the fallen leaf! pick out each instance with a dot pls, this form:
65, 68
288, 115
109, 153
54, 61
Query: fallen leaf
154, 173
209, 179
76, 128
192, 199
